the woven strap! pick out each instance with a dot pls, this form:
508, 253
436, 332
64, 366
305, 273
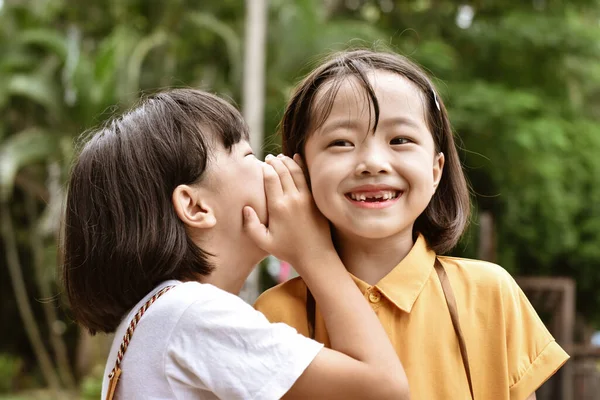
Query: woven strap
450, 301
116, 371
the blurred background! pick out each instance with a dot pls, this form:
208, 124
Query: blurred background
521, 80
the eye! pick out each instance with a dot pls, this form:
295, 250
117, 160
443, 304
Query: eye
340, 143
399, 140
250, 153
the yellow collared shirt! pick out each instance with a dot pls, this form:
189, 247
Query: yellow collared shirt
511, 353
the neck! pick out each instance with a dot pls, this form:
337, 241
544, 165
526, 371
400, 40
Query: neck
233, 261
372, 259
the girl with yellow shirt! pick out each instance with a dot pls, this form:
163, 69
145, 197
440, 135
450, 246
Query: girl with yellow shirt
379, 151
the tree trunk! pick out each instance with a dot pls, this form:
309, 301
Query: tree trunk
487, 239
253, 101
56, 339
23, 305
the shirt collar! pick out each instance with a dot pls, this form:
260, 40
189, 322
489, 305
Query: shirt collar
404, 283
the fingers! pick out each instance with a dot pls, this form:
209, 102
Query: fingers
287, 182
255, 229
273, 188
295, 177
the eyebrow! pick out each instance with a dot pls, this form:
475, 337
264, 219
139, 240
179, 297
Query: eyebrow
349, 124
393, 121
346, 123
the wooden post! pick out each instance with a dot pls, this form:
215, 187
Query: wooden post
557, 295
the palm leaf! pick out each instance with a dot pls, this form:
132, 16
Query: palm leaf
38, 88
134, 66
51, 40
27, 147
228, 35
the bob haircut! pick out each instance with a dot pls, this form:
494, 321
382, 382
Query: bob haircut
446, 217
121, 235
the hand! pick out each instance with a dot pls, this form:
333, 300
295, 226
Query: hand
296, 229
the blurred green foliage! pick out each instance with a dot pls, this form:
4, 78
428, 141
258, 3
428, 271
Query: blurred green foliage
521, 81
9, 369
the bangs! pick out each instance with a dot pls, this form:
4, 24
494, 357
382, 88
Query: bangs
354, 73
230, 128
342, 69
223, 121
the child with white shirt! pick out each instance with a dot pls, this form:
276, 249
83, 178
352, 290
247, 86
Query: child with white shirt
167, 212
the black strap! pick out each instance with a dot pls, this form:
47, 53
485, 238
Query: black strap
450, 301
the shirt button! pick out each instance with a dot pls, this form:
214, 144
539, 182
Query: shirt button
374, 297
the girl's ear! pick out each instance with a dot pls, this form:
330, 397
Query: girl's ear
438, 169
192, 209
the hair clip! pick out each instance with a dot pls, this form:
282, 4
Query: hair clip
437, 104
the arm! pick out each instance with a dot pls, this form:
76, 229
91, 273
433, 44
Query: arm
532, 397
363, 363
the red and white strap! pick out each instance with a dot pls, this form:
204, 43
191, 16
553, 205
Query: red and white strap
132, 326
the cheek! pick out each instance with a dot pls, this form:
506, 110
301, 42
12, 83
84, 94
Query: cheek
321, 178
320, 186
257, 183
418, 169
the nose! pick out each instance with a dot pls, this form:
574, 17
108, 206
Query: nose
372, 160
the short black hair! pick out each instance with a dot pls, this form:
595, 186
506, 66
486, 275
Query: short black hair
121, 235
447, 215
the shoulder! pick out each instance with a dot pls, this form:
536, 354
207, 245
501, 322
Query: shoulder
487, 285
187, 294
193, 307
285, 302
206, 304
507, 319
223, 345
483, 274
288, 294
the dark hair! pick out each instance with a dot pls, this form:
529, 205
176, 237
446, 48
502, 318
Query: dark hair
446, 217
122, 236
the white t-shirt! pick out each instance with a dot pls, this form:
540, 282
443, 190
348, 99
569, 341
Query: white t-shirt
200, 342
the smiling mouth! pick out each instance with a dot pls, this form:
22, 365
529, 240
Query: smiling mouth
378, 196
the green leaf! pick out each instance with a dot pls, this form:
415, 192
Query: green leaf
134, 66
24, 148
229, 36
49, 39
37, 88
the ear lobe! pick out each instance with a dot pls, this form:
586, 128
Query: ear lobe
192, 209
438, 169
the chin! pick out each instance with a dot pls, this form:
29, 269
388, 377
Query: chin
371, 234
374, 231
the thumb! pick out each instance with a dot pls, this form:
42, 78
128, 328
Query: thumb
257, 231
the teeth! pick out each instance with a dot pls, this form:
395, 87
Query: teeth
383, 195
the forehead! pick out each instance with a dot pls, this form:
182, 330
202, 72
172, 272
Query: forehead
395, 95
